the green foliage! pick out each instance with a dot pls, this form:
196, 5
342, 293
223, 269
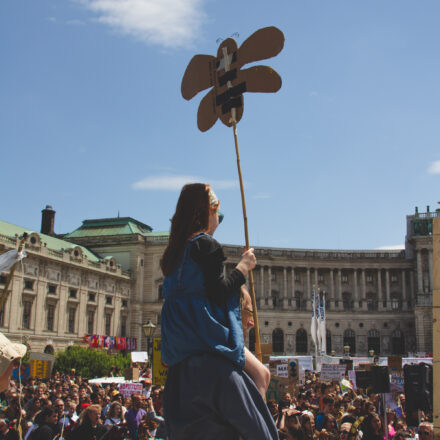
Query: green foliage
89, 362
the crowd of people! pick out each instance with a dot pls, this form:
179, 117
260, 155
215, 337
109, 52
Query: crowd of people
69, 407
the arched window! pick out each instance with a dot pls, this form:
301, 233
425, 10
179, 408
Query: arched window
398, 342
350, 340
252, 339
301, 341
374, 341
372, 303
278, 341
347, 302
328, 340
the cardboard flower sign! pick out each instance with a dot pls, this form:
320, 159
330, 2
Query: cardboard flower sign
228, 81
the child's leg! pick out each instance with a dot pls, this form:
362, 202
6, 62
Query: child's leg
257, 371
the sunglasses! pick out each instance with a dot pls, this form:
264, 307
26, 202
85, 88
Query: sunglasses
220, 216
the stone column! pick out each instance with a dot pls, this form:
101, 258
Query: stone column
15, 318
419, 272
412, 294
332, 289
62, 311
404, 302
285, 300
356, 292
430, 270
309, 290
269, 287
340, 307
364, 291
82, 312
262, 295
100, 321
387, 288
293, 286
379, 289
39, 312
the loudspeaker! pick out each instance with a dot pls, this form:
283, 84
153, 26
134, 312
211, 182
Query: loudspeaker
380, 379
418, 386
363, 379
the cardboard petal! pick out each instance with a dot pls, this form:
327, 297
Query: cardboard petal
226, 118
199, 75
206, 114
262, 44
228, 46
261, 79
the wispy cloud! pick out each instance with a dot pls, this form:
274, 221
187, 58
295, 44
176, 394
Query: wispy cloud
75, 22
434, 168
51, 19
394, 247
261, 196
175, 182
169, 23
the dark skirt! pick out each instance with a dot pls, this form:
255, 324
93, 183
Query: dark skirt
207, 397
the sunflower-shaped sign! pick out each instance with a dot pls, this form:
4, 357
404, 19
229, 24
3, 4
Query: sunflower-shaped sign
228, 81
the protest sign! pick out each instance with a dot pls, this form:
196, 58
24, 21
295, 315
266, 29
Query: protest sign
330, 372
127, 389
282, 370
40, 365
139, 356
278, 386
395, 362
160, 370
352, 378
396, 382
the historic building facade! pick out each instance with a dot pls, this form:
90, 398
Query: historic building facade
61, 292
375, 299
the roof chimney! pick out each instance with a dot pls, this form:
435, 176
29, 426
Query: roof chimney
47, 220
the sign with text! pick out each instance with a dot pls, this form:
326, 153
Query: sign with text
160, 370
127, 389
139, 356
330, 372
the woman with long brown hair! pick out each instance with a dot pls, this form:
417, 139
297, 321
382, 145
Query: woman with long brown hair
207, 395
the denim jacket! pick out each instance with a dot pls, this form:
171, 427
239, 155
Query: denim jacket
192, 324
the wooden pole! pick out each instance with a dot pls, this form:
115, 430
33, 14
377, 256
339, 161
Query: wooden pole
4, 294
246, 234
436, 325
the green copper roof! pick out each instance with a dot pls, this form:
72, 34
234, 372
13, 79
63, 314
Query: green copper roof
56, 244
113, 226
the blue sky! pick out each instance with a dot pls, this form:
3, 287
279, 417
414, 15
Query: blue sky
91, 111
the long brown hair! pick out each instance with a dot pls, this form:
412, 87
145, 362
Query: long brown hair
191, 216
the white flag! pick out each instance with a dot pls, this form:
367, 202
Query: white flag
318, 320
313, 322
8, 259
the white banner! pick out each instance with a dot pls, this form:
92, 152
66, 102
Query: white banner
330, 372
127, 389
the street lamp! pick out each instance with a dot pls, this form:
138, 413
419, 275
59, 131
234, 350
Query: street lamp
371, 353
148, 329
347, 350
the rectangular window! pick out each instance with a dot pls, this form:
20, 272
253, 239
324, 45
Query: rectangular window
51, 289
393, 278
3, 279
123, 326
124, 303
72, 293
71, 323
108, 300
297, 277
92, 297
50, 317
29, 284
344, 278
108, 324
273, 276
90, 321
369, 278
27, 308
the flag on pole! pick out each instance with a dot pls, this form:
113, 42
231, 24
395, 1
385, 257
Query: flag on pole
318, 320
321, 325
313, 324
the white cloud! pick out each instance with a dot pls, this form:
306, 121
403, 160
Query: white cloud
175, 183
434, 168
169, 23
75, 22
394, 247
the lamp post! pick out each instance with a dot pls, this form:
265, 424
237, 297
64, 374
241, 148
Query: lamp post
371, 353
347, 351
148, 329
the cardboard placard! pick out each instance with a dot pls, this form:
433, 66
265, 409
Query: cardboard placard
40, 365
131, 374
139, 356
332, 372
127, 389
395, 363
228, 81
160, 370
266, 351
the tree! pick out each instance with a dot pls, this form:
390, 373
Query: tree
89, 362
